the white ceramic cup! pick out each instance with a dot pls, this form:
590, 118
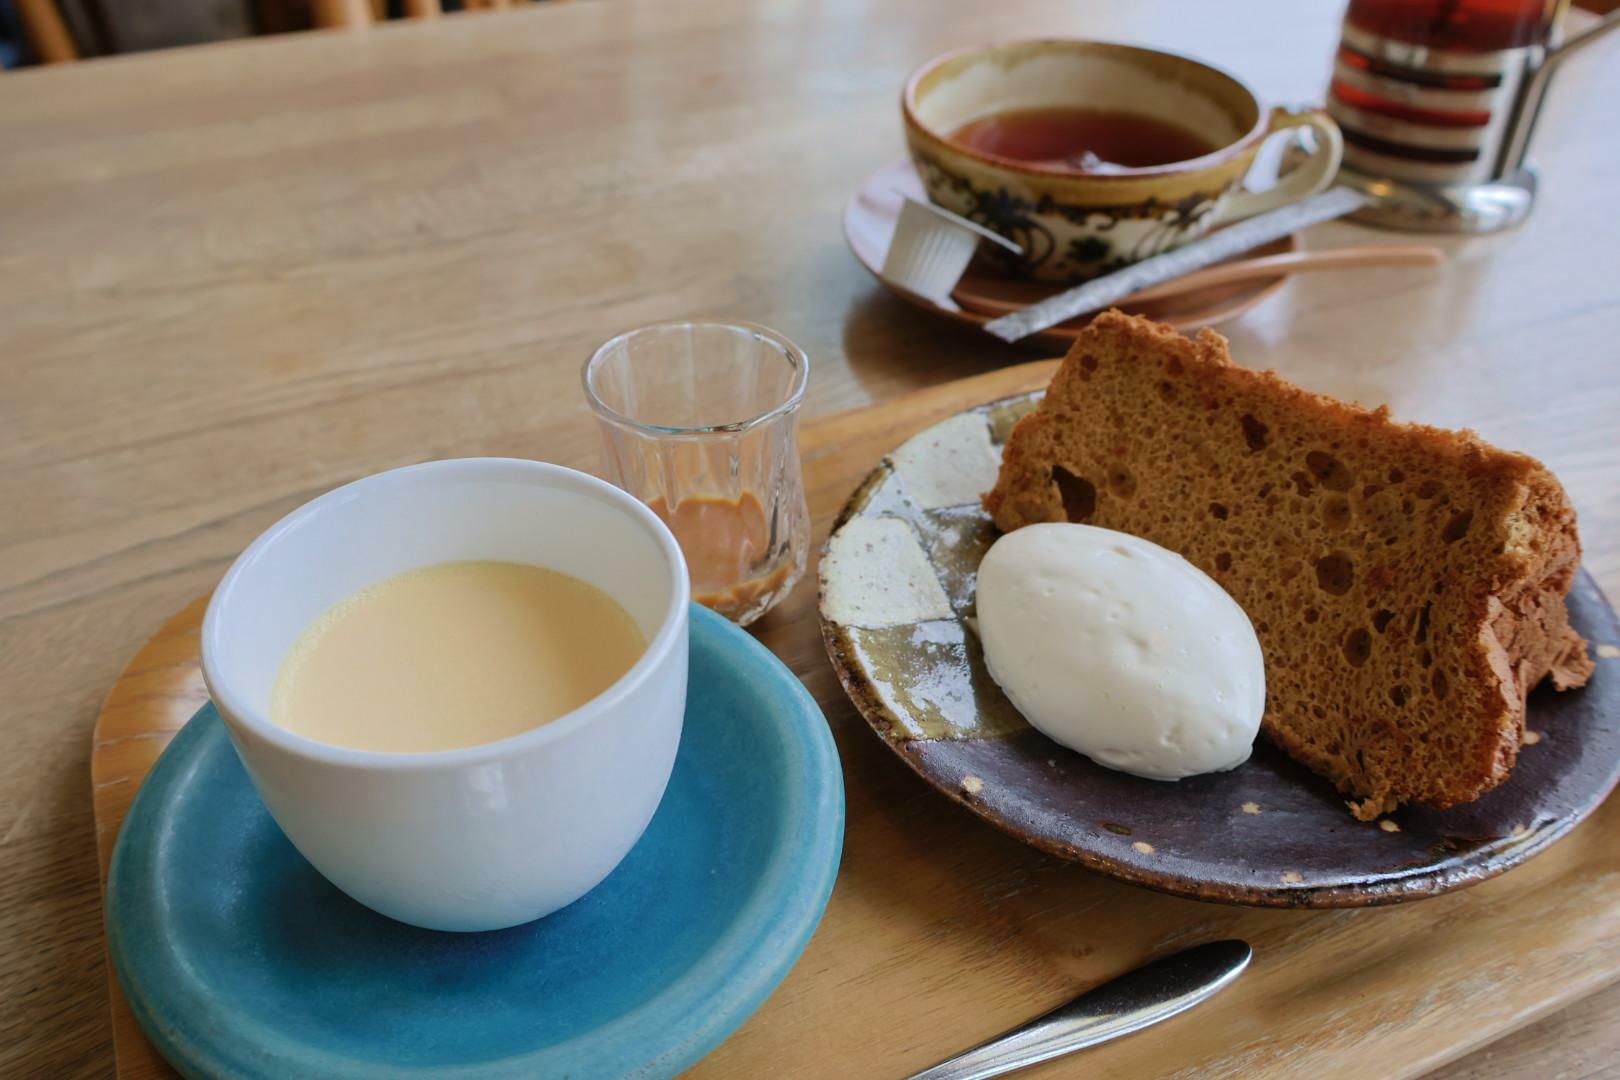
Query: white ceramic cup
484, 836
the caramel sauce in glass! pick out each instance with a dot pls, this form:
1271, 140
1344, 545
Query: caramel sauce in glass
727, 545
698, 421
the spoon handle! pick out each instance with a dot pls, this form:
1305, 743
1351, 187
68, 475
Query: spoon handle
1260, 266
1352, 258
1131, 1002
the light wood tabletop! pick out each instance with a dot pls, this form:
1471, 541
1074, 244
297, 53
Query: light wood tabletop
234, 276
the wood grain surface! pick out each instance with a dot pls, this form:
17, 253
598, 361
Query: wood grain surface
236, 275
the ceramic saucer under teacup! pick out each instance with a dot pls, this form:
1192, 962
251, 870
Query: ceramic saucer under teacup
869, 223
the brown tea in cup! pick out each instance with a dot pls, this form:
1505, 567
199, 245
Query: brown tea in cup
1082, 139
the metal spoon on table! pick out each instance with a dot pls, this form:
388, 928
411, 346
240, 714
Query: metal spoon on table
1131, 1002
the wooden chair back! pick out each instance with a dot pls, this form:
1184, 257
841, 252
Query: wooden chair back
48, 38
365, 12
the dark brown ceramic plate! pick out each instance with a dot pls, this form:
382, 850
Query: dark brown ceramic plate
897, 602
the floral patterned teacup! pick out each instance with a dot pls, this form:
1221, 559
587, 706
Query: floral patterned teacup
1076, 225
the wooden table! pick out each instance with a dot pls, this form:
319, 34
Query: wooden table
234, 276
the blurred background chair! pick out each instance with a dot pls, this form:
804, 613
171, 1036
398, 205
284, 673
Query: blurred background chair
45, 32
53, 31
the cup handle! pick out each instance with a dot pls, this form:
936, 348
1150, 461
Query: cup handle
1304, 180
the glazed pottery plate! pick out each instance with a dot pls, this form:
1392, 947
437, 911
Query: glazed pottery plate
898, 580
240, 960
984, 293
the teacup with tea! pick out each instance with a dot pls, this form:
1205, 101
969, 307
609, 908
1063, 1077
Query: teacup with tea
1091, 155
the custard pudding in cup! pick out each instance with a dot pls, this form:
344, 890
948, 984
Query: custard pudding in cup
430, 809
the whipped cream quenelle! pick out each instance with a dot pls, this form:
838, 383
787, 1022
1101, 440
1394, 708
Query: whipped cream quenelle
1121, 650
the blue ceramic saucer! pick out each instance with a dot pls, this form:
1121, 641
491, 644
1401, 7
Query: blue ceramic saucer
240, 960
